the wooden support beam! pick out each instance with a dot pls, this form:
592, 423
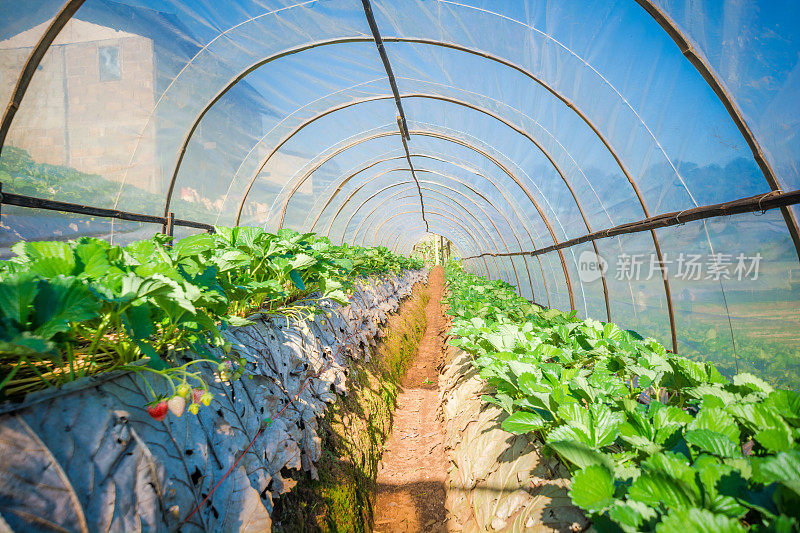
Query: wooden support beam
751, 204
22, 200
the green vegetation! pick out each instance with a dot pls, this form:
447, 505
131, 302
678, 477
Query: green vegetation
22, 175
353, 433
766, 334
73, 309
654, 441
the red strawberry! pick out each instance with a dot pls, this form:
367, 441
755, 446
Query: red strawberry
158, 410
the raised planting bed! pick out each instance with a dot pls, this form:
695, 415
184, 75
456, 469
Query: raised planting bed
89, 457
167, 385
497, 480
652, 441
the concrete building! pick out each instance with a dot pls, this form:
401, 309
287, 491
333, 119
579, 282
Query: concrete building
94, 82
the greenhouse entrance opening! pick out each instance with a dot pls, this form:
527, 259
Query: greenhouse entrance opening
434, 250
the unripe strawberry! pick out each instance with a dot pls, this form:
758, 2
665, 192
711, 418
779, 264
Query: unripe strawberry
197, 395
194, 408
157, 410
206, 398
183, 390
176, 405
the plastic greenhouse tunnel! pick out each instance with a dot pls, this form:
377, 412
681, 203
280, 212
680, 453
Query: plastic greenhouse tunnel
400, 265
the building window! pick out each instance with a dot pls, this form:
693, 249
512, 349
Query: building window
110, 68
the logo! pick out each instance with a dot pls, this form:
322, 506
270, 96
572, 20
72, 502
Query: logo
591, 266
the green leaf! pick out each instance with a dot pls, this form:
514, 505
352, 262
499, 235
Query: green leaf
698, 521
758, 416
154, 360
713, 442
752, 382
136, 320
133, 286
230, 260
721, 486
302, 260
687, 372
716, 391
504, 401
582, 388
93, 260
777, 439
50, 259
25, 344
550, 314
238, 321
716, 420
782, 524
194, 245
297, 279
329, 285
576, 416
17, 294
338, 296
631, 515
778, 467
664, 415
62, 301
593, 488
656, 489
571, 433
246, 236
523, 422
605, 425
674, 465
787, 404
612, 332
580, 454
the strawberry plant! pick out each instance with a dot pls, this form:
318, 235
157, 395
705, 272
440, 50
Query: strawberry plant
72, 309
655, 442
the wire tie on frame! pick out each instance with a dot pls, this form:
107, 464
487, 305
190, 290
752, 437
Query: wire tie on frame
763, 197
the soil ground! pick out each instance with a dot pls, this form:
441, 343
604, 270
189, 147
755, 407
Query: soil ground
412, 473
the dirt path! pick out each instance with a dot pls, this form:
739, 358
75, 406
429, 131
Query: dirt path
410, 492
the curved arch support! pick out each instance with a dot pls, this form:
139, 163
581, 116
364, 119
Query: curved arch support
508, 202
648, 5
446, 217
70, 8
497, 231
449, 177
458, 231
455, 140
470, 219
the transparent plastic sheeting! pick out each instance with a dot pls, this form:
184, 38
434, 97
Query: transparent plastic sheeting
531, 123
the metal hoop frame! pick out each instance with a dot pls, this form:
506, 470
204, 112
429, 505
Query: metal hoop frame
70, 7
